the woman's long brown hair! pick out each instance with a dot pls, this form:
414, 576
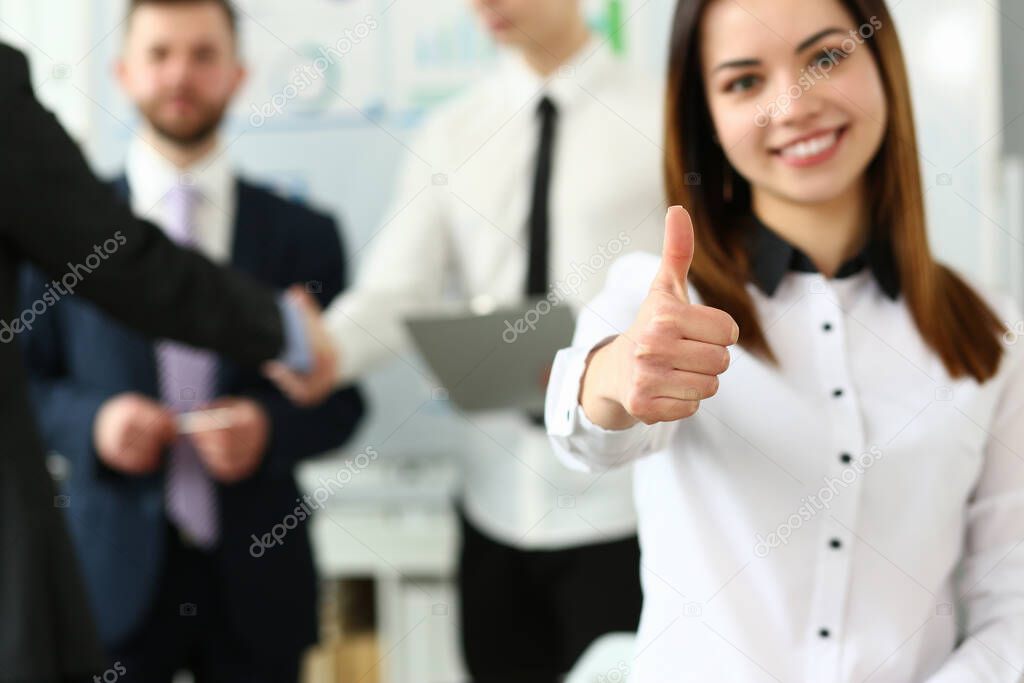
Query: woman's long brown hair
951, 317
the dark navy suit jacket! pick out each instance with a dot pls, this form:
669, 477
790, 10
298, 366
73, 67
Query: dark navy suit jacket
78, 357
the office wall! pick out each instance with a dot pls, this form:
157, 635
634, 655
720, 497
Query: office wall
1012, 138
1011, 24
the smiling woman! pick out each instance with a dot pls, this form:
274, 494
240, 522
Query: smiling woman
817, 149
819, 508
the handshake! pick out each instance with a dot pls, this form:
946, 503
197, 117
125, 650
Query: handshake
311, 387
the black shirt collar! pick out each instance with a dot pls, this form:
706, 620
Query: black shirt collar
771, 257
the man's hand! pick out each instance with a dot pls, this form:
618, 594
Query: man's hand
131, 431
235, 450
312, 388
671, 357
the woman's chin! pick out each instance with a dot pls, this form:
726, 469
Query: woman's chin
823, 189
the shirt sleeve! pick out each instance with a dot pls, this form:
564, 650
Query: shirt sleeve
577, 441
403, 272
991, 582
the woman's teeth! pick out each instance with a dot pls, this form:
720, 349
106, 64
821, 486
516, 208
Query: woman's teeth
807, 149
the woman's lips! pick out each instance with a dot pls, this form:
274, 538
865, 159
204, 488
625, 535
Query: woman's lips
813, 150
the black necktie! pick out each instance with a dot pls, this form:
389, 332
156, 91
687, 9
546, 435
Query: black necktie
537, 272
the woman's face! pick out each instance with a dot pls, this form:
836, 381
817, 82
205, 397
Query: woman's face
794, 93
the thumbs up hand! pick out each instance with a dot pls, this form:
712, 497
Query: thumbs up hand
670, 358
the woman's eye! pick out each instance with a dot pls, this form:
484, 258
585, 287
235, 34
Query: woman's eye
742, 84
828, 58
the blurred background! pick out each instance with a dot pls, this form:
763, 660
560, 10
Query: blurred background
386, 546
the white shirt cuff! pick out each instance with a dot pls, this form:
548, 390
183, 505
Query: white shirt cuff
578, 441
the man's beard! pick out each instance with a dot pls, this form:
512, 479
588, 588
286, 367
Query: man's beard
185, 135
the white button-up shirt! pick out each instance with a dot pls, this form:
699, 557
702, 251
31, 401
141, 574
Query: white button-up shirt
151, 176
830, 519
458, 231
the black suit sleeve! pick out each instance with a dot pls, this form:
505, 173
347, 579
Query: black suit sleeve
298, 433
60, 217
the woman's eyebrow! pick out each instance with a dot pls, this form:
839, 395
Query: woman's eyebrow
750, 61
737, 63
816, 37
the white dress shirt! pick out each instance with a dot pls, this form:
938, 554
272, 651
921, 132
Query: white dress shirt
827, 520
150, 177
457, 230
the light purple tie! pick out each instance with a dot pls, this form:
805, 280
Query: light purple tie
186, 377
